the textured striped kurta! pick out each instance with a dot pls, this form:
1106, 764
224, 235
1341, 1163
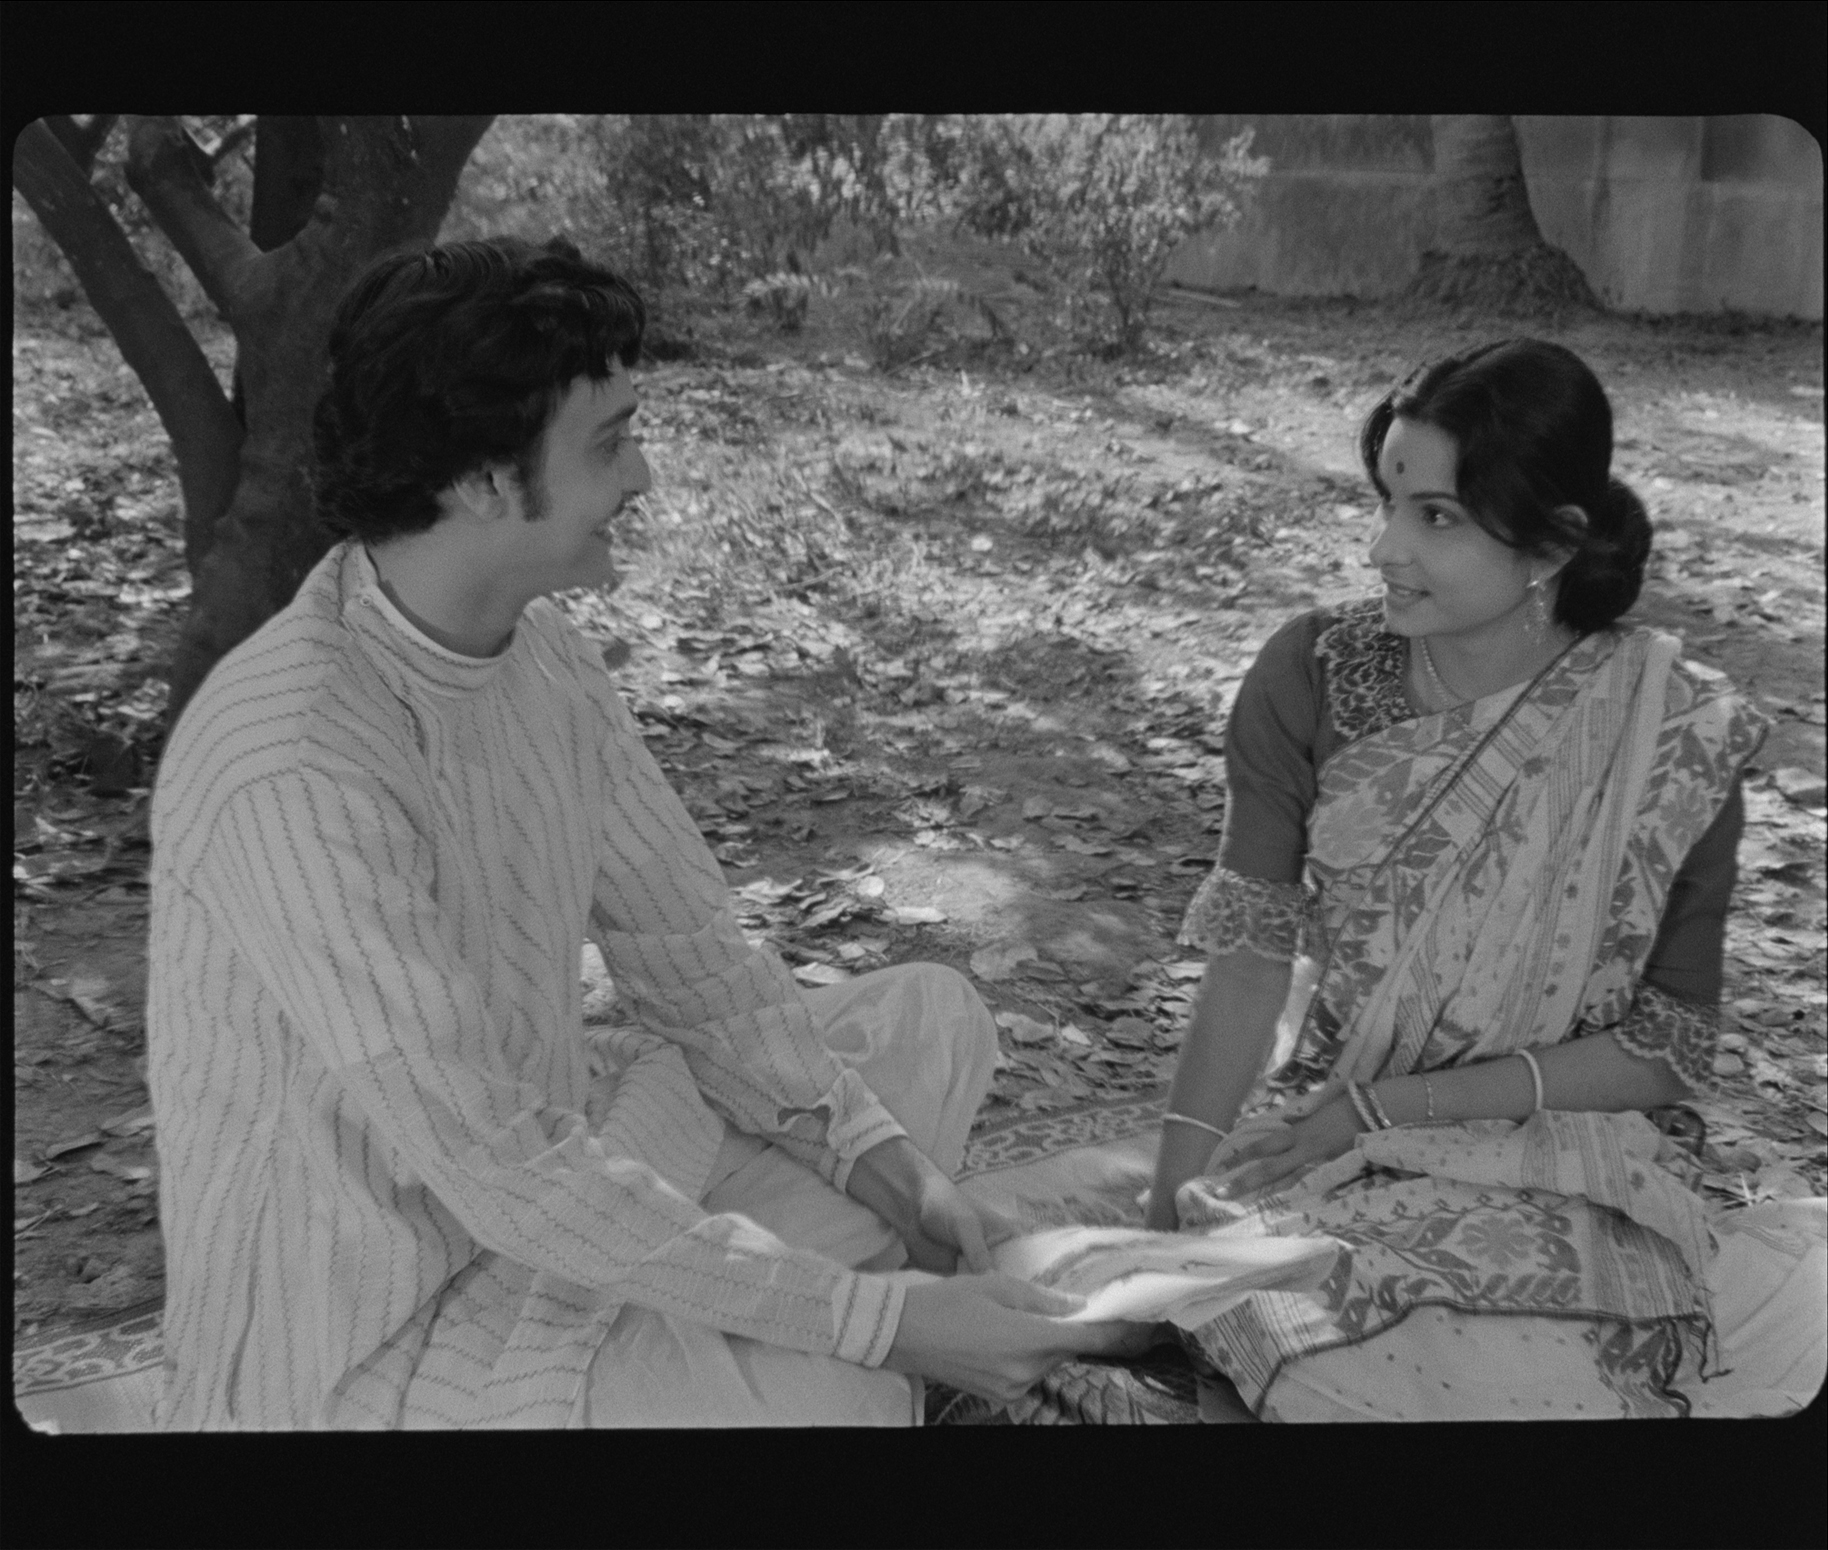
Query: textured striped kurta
375, 863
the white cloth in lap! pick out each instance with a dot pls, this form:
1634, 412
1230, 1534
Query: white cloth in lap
922, 1041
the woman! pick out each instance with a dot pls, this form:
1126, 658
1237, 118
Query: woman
1516, 822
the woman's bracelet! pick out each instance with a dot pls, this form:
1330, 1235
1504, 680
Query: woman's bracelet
1365, 1116
1383, 1119
1198, 1124
1535, 1076
1428, 1092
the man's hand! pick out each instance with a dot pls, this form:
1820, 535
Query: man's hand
996, 1337
943, 1228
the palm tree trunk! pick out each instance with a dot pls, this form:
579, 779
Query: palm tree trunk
1482, 204
1489, 253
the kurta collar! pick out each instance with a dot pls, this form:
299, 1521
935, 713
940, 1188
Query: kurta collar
378, 619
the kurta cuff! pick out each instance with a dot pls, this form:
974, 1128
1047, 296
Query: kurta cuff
858, 1121
867, 1310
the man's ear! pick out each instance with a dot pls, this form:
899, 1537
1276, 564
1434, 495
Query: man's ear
482, 493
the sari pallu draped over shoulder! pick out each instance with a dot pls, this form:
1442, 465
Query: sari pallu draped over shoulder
1491, 879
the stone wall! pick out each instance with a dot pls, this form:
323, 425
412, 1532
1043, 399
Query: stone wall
1664, 214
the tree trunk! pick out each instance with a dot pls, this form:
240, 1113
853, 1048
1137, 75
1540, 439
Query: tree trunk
344, 190
1489, 252
1482, 204
205, 438
288, 177
386, 181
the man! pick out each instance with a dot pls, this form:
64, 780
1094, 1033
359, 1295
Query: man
392, 1194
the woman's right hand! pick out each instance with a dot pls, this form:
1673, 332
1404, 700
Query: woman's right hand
996, 1336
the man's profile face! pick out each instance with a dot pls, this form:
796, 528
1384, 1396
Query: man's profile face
589, 465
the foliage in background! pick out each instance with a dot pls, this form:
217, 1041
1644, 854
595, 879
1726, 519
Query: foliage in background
42, 276
703, 209
898, 322
1101, 200
714, 200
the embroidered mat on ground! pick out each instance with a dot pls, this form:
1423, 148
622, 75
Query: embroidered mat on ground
1081, 1164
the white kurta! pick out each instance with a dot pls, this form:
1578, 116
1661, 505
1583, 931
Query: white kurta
374, 866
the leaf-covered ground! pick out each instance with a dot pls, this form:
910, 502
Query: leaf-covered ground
940, 660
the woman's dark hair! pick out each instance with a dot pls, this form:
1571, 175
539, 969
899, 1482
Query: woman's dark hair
445, 360
1534, 432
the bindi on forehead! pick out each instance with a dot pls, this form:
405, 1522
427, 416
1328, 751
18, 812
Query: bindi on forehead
1399, 465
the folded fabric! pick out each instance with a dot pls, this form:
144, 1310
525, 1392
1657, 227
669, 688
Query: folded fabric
1129, 1274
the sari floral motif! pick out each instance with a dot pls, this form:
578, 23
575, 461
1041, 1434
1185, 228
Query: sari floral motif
1488, 879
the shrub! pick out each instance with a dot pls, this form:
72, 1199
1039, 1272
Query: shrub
1101, 200
784, 296
899, 323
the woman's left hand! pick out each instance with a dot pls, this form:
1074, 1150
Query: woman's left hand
1260, 1155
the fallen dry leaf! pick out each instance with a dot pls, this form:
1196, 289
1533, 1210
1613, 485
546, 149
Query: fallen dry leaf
24, 1172
74, 1144
999, 961
104, 1162
913, 915
132, 1123
1024, 1030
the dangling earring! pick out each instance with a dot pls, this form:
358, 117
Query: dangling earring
1536, 613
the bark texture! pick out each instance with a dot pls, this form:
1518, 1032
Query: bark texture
1489, 251
205, 436
342, 191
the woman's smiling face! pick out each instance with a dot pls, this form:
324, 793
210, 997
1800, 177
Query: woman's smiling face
1443, 573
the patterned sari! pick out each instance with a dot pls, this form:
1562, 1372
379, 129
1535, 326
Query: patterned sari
1491, 879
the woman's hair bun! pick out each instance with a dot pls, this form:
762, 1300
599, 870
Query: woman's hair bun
1606, 574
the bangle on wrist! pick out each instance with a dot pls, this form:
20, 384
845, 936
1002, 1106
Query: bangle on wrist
1360, 1107
1377, 1109
1428, 1092
1198, 1124
1535, 1077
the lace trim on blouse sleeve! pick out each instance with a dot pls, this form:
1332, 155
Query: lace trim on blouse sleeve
1681, 1034
1229, 912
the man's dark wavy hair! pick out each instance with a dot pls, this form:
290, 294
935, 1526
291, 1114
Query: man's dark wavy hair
446, 360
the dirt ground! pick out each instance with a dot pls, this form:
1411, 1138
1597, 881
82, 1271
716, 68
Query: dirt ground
940, 659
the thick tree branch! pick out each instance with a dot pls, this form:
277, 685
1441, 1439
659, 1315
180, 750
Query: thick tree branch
82, 141
152, 337
391, 179
162, 170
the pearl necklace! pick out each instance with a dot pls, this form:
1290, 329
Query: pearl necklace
1434, 675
